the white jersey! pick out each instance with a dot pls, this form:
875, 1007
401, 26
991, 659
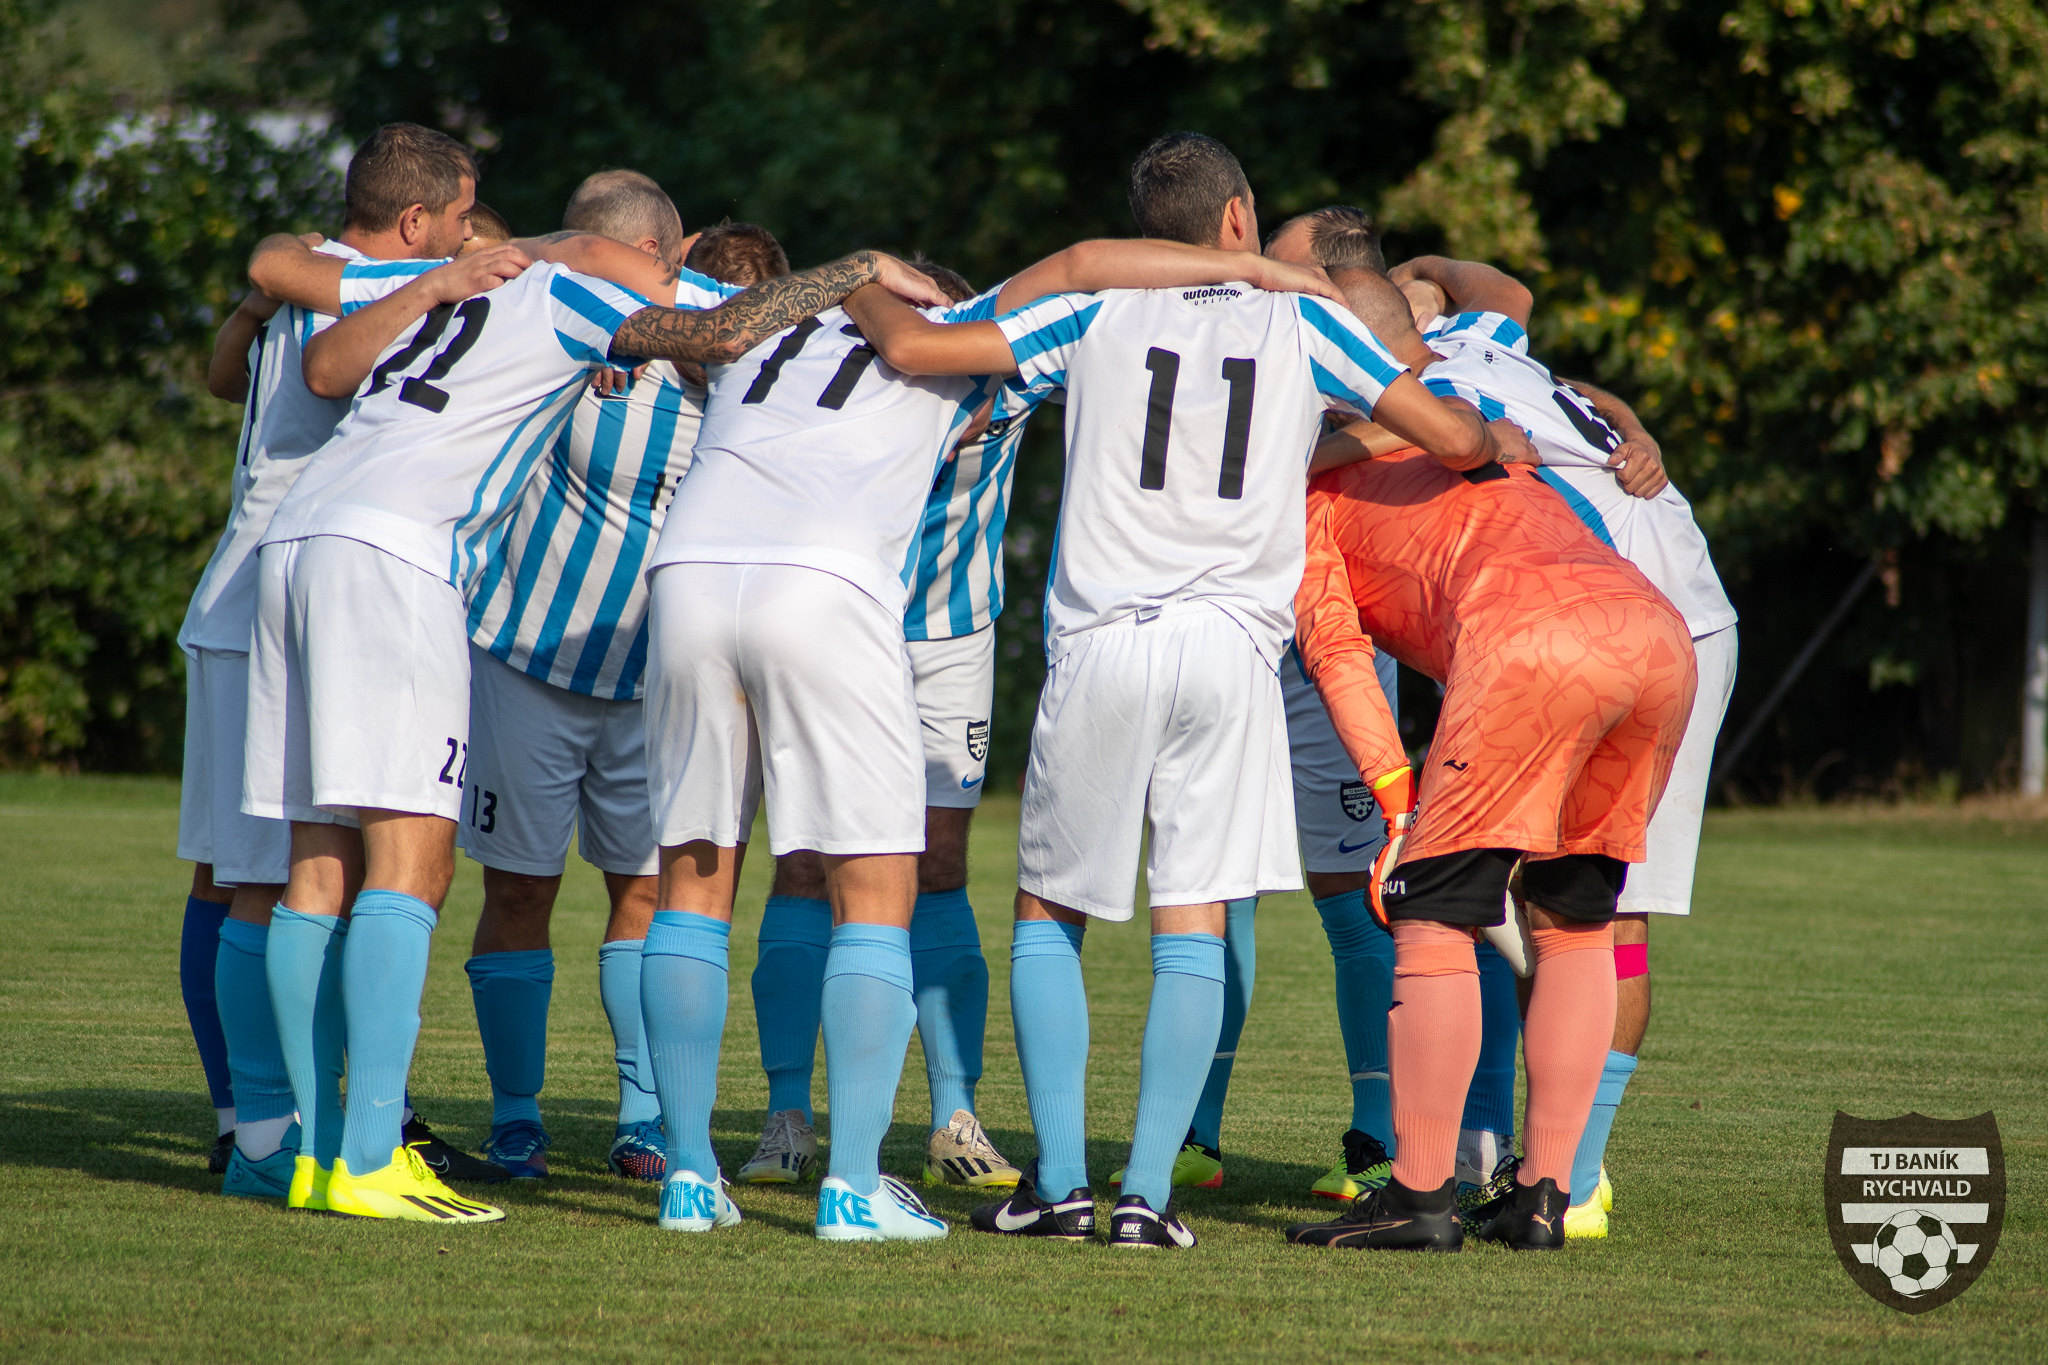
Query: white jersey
564, 596
439, 443
282, 424
1191, 414
815, 452
1486, 361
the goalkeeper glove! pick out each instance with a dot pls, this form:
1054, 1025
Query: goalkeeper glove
1395, 792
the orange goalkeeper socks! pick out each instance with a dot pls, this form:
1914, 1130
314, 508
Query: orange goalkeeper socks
1432, 1045
1564, 1044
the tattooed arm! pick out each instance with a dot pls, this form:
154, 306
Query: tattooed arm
721, 335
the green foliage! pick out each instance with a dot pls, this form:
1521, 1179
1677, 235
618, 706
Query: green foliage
122, 235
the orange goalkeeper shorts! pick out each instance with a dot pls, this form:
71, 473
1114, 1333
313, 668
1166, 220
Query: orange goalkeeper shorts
1560, 737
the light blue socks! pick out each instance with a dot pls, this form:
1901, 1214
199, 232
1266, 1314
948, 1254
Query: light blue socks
1364, 954
868, 1013
263, 1087
511, 993
1614, 1078
383, 973
618, 986
789, 977
1049, 1013
950, 980
1181, 1028
682, 999
302, 962
198, 947
1490, 1102
1240, 966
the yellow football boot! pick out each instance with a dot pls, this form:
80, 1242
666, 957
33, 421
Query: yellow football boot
1585, 1220
309, 1185
405, 1190
1606, 1190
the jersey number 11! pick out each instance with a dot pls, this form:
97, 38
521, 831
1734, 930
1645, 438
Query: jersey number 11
1242, 376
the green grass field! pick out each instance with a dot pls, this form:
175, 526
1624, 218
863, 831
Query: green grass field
1876, 963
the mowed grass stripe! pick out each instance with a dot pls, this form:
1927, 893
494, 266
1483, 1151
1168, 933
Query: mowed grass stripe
1855, 960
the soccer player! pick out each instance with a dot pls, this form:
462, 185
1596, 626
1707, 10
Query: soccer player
409, 194
1597, 454
955, 595
778, 671
360, 671
558, 642
1569, 678
1190, 415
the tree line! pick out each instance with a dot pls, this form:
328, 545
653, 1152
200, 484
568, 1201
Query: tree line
1804, 237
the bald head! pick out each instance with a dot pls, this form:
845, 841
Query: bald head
1383, 308
628, 207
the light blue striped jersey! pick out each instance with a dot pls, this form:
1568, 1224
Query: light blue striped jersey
282, 424
814, 452
438, 446
563, 593
1191, 414
1485, 360
958, 586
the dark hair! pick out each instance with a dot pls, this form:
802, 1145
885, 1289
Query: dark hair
1180, 186
1338, 236
402, 164
485, 221
952, 282
625, 206
737, 253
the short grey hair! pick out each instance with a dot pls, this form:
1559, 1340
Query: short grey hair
626, 206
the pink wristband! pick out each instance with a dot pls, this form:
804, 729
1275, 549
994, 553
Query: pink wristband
1631, 959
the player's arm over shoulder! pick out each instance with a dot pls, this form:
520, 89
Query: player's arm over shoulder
914, 344
1470, 286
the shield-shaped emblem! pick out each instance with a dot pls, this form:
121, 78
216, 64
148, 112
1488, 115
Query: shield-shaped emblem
1357, 799
977, 740
1915, 1204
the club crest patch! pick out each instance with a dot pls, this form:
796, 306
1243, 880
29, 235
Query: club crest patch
1358, 800
977, 740
1915, 1204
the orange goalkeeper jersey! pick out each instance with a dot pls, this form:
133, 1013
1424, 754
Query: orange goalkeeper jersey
1430, 564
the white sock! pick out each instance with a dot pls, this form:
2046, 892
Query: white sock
1479, 1151
259, 1138
226, 1119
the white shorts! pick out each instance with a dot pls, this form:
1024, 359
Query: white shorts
1335, 816
545, 762
243, 849
358, 686
955, 684
1177, 722
783, 681
1662, 883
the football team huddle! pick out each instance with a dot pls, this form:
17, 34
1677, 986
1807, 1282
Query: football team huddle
633, 536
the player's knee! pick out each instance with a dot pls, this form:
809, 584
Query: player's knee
1580, 887
1427, 948
800, 874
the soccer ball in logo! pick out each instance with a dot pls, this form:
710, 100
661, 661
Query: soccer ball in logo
1915, 1251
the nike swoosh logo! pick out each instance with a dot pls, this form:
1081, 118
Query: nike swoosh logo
1010, 1222
965, 785
383, 1104
1343, 847
436, 1164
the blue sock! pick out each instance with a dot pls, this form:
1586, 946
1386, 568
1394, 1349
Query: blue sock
1185, 1017
1593, 1142
1049, 1012
383, 974
618, 986
302, 962
1490, 1102
1364, 954
950, 981
868, 1012
682, 997
1240, 966
511, 993
262, 1085
789, 978
198, 947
